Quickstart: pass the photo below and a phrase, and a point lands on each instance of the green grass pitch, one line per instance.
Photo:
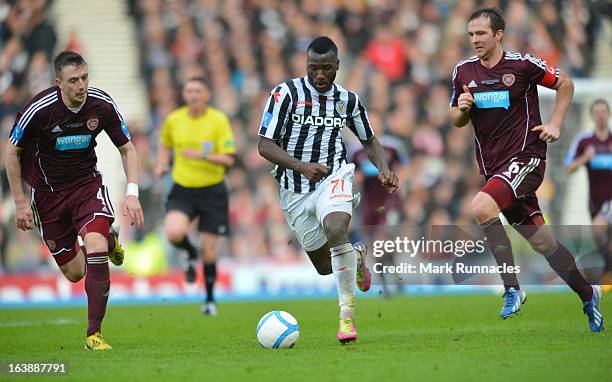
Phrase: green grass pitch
(413, 338)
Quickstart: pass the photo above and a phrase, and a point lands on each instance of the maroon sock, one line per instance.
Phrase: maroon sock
(564, 264)
(500, 247)
(97, 286)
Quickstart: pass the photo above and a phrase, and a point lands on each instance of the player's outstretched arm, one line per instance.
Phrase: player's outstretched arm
(272, 152)
(131, 205)
(23, 211)
(563, 98)
(376, 154)
(564, 88)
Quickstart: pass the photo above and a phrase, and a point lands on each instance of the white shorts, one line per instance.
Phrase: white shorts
(305, 212)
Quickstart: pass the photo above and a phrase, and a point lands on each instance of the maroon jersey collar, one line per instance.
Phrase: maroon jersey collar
(503, 58)
(65, 108)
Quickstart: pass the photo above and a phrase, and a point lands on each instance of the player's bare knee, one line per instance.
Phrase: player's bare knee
(543, 244)
(483, 209)
(175, 232)
(337, 232)
(208, 255)
(176, 226)
(175, 236)
(73, 272)
(74, 277)
(323, 267)
(95, 242)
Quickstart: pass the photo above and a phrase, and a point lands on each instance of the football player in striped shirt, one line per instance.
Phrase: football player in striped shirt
(300, 134)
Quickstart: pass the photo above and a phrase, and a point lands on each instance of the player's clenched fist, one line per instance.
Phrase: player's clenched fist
(548, 133)
(23, 216)
(465, 100)
(314, 171)
(389, 180)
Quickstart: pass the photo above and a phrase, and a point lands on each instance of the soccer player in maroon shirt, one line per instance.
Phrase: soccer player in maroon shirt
(52, 149)
(378, 207)
(594, 150)
(497, 91)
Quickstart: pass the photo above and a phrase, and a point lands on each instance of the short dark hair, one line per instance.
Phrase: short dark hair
(199, 79)
(494, 14)
(322, 45)
(600, 101)
(66, 58)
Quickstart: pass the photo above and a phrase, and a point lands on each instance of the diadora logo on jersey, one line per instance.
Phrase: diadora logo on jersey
(72, 142)
(318, 121)
(491, 100)
(56, 129)
(472, 84)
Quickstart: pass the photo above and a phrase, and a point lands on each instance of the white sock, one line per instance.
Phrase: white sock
(344, 266)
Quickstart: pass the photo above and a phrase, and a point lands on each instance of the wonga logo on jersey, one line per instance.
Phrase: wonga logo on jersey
(490, 100)
(72, 142)
(317, 121)
(601, 161)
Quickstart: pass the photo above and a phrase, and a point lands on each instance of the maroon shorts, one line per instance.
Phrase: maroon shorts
(513, 188)
(61, 215)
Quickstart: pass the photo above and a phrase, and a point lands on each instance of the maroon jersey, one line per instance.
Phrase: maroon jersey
(58, 144)
(506, 106)
(374, 194)
(599, 168)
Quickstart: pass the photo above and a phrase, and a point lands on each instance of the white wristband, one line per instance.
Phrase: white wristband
(132, 190)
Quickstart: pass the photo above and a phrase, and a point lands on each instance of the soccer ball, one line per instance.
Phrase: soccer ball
(278, 330)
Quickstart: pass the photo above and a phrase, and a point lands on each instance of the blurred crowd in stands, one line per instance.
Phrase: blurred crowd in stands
(397, 55)
(27, 43)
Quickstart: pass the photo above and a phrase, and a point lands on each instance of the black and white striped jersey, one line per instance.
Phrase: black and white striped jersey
(306, 124)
